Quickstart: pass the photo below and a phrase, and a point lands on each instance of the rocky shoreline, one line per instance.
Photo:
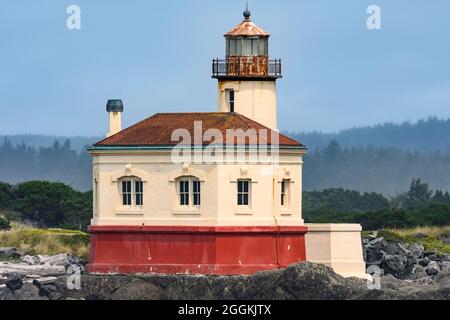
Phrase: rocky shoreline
(400, 270)
(403, 261)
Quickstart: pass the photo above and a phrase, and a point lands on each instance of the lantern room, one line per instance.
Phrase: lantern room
(247, 53)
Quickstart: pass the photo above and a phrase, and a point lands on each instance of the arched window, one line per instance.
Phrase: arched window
(132, 192)
(189, 191)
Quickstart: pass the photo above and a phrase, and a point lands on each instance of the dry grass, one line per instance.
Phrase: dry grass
(433, 232)
(432, 241)
(33, 241)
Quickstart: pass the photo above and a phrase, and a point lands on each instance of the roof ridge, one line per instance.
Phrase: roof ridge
(129, 128)
(157, 129)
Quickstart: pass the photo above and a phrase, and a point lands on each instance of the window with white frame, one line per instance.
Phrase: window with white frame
(285, 186)
(132, 191)
(231, 100)
(243, 192)
(189, 192)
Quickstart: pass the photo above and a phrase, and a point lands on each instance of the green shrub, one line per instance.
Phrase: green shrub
(53, 204)
(432, 244)
(4, 224)
(11, 215)
(434, 215)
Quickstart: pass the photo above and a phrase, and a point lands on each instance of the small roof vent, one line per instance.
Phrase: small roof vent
(114, 105)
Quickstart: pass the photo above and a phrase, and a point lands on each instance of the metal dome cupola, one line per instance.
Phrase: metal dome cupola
(247, 53)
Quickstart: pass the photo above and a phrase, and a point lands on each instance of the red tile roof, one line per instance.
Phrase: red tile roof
(157, 130)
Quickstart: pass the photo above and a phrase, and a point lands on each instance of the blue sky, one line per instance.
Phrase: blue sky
(156, 56)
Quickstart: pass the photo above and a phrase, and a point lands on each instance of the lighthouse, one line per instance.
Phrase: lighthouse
(247, 76)
(231, 216)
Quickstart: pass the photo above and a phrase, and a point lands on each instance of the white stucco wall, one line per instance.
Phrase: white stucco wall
(256, 100)
(218, 187)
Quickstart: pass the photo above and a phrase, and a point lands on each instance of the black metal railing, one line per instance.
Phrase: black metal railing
(246, 67)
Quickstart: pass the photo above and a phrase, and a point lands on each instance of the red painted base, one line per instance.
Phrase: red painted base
(194, 250)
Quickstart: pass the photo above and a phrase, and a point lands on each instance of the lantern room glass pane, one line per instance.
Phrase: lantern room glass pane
(255, 47)
(247, 47)
(238, 46)
(233, 47)
(263, 47)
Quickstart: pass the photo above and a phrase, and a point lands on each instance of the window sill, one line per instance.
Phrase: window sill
(187, 211)
(244, 211)
(134, 211)
(286, 212)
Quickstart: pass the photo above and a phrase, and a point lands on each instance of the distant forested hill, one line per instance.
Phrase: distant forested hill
(381, 159)
(58, 162)
(77, 143)
(374, 169)
(425, 135)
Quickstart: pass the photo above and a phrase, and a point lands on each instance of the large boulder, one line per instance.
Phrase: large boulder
(418, 272)
(445, 266)
(374, 251)
(433, 268)
(27, 292)
(14, 281)
(394, 264)
(417, 250)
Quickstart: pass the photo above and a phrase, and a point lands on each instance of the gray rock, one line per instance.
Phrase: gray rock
(404, 248)
(373, 251)
(9, 253)
(446, 240)
(393, 249)
(425, 281)
(49, 291)
(31, 260)
(300, 281)
(44, 281)
(421, 235)
(418, 272)
(56, 260)
(445, 266)
(378, 243)
(411, 263)
(14, 281)
(394, 264)
(437, 257)
(74, 260)
(424, 262)
(428, 253)
(371, 237)
(55, 296)
(27, 292)
(417, 249)
(375, 263)
(433, 268)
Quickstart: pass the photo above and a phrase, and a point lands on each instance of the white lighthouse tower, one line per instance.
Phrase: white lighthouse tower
(247, 77)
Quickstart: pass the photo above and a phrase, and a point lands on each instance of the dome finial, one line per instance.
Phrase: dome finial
(247, 12)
